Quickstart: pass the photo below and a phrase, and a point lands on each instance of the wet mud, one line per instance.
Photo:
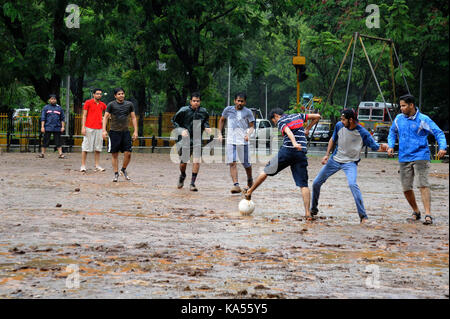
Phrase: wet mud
(145, 238)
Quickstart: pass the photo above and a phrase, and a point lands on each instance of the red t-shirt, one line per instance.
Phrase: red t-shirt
(94, 113)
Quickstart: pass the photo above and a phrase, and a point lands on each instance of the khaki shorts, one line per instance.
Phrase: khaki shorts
(410, 169)
(92, 141)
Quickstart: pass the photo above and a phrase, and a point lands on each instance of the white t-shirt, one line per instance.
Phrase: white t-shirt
(238, 122)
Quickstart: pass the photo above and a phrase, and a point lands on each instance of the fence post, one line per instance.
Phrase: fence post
(160, 118)
(153, 143)
(9, 130)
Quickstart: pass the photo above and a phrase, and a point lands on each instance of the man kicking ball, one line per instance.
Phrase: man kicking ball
(292, 153)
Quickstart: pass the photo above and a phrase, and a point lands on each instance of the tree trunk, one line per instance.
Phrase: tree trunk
(76, 87)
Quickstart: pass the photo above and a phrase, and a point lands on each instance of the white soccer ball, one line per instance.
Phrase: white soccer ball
(246, 207)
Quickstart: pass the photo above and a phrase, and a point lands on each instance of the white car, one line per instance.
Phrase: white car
(263, 130)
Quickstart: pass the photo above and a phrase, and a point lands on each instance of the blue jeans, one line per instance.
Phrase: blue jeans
(350, 170)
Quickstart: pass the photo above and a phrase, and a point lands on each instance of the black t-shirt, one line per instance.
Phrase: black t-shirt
(120, 115)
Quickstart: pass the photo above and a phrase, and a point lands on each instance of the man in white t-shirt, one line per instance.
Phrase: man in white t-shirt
(240, 125)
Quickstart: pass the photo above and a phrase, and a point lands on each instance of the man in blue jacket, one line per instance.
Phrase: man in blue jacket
(349, 137)
(412, 129)
(52, 122)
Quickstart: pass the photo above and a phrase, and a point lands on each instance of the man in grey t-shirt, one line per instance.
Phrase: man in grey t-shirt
(119, 135)
(240, 126)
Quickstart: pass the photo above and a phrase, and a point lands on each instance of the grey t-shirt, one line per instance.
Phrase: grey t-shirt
(238, 123)
(120, 115)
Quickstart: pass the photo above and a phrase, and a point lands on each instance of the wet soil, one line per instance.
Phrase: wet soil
(145, 238)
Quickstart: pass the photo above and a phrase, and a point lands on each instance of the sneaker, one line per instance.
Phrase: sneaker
(116, 177)
(83, 169)
(181, 181)
(99, 169)
(124, 173)
(314, 211)
(235, 189)
(193, 188)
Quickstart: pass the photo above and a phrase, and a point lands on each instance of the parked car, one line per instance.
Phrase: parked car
(263, 130)
(381, 134)
(322, 132)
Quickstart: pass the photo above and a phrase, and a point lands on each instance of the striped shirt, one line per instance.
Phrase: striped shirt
(295, 122)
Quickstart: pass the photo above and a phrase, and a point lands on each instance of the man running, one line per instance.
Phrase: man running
(240, 125)
(193, 120)
(349, 137)
(119, 135)
(292, 153)
(412, 128)
(91, 129)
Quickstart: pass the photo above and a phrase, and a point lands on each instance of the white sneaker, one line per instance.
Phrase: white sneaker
(99, 169)
(83, 169)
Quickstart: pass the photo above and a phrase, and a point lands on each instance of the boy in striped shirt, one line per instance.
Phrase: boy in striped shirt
(292, 153)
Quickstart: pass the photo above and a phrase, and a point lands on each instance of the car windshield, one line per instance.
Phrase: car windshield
(322, 127)
(264, 124)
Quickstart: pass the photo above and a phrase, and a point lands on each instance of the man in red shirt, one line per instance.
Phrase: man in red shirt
(91, 129)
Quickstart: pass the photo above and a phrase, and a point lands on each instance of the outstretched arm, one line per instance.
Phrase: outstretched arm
(313, 119)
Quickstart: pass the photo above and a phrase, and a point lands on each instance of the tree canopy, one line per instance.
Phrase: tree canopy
(161, 51)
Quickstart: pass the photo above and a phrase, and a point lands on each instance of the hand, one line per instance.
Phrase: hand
(83, 131)
(208, 130)
(104, 135)
(246, 138)
(42, 130)
(325, 159)
(185, 133)
(441, 154)
(220, 138)
(62, 129)
(135, 136)
(298, 146)
(307, 132)
(390, 151)
(383, 148)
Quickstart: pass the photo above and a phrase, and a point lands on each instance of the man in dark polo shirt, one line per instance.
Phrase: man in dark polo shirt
(120, 139)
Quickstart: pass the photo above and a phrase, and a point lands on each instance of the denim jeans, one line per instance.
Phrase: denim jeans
(350, 170)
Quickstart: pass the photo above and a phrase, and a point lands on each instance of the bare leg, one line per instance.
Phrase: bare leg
(234, 172)
(259, 180)
(97, 158)
(115, 162)
(60, 150)
(195, 168)
(43, 150)
(426, 199)
(83, 158)
(183, 167)
(126, 159)
(306, 200)
(248, 170)
(411, 200)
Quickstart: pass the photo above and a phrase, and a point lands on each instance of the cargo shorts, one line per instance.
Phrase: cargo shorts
(416, 168)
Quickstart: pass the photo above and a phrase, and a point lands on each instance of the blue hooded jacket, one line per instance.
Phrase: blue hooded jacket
(412, 133)
(52, 115)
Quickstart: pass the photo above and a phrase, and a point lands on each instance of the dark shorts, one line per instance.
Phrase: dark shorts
(186, 152)
(297, 160)
(56, 136)
(119, 141)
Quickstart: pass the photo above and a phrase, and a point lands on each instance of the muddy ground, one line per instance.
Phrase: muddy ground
(147, 239)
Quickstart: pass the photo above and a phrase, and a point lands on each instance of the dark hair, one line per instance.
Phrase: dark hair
(350, 114)
(196, 94)
(240, 94)
(95, 90)
(408, 98)
(277, 111)
(52, 95)
(117, 90)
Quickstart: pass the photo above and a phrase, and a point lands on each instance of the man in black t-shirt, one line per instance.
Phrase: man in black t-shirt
(120, 139)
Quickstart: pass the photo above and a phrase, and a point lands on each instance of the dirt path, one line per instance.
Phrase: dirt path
(147, 239)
